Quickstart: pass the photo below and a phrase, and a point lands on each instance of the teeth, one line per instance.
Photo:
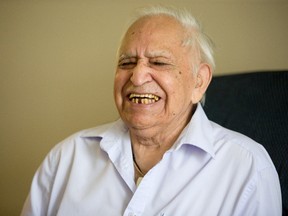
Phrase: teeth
(143, 98)
(151, 96)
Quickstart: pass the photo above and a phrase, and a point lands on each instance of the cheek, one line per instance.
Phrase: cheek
(174, 85)
(118, 86)
(184, 80)
(119, 81)
(185, 83)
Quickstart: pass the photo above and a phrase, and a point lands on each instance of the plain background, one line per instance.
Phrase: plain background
(57, 60)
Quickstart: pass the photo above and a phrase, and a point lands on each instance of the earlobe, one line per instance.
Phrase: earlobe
(203, 79)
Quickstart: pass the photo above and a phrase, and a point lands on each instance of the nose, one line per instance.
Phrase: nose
(141, 74)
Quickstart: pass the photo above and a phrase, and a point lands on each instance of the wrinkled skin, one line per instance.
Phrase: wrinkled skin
(155, 88)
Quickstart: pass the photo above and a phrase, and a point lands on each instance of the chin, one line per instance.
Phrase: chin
(139, 123)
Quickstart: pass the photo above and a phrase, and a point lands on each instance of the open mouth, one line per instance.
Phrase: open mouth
(143, 98)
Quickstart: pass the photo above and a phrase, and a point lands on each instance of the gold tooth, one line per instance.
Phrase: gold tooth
(143, 100)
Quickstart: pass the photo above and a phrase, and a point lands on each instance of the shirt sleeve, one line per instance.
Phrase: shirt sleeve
(262, 197)
(37, 202)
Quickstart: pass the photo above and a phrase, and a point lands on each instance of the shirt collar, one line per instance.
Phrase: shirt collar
(198, 133)
(110, 134)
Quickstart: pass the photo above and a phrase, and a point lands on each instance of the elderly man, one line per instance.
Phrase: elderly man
(163, 157)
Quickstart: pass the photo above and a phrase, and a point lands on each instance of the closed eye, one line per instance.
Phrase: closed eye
(126, 64)
(159, 63)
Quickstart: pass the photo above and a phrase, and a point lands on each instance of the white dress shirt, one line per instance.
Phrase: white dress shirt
(209, 171)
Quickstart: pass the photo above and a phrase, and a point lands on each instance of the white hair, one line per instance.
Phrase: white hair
(196, 36)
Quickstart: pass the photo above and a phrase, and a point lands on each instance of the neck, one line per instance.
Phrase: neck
(150, 144)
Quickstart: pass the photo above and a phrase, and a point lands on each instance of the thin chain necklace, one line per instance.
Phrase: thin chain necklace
(137, 167)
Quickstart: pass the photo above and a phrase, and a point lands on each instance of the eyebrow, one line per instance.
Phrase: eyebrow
(126, 56)
(160, 53)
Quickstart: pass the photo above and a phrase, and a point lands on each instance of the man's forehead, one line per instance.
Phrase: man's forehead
(148, 25)
(149, 37)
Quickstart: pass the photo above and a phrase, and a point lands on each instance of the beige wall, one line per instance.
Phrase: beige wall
(57, 63)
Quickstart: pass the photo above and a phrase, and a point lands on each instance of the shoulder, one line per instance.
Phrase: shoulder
(241, 147)
(80, 141)
(250, 162)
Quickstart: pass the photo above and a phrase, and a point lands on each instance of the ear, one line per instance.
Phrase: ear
(202, 80)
